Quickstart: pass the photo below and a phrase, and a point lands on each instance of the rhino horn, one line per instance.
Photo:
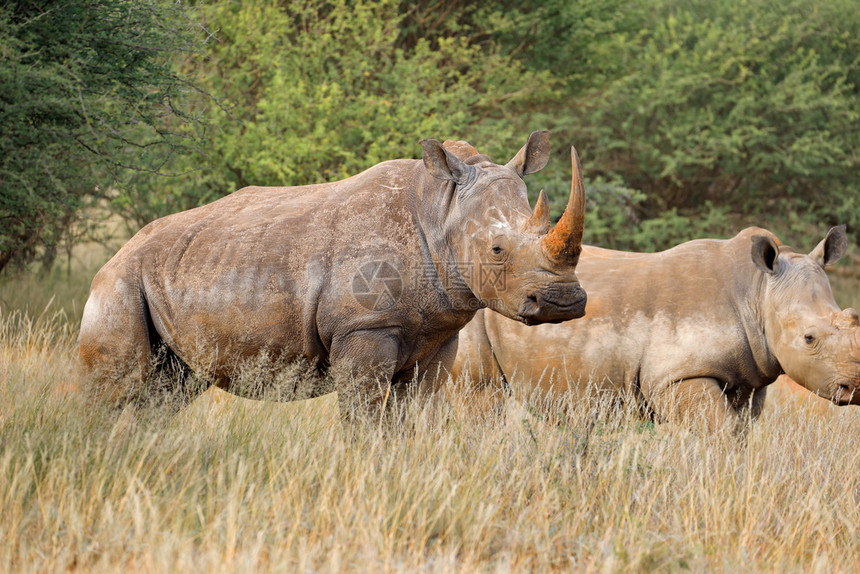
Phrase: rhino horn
(563, 243)
(847, 319)
(539, 222)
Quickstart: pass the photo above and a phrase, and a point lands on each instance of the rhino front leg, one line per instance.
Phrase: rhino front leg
(426, 380)
(749, 402)
(362, 369)
(434, 371)
(699, 401)
(478, 388)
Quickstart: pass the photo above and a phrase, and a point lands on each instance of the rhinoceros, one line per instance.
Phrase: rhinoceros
(374, 275)
(697, 331)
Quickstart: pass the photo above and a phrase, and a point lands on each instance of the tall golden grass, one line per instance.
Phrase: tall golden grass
(231, 485)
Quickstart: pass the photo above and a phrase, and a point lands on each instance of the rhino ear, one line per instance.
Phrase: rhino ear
(533, 156)
(832, 248)
(765, 254)
(442, 164)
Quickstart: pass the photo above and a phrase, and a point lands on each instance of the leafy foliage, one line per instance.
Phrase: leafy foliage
(722, 113)
(86, 86)
(736, 102)
(692, 117)
(315, 91)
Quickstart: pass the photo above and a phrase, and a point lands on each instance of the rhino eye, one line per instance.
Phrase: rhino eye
(497, 250)
(809, 339)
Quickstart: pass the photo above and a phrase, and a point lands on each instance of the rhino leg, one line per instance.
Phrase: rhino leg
(114, 343)
(122, 357)
(426, 380)
(433, 372)
(478, 387)
(369, 385)
(756, 403)
(362, 369)
(698, 401)
(748, 402)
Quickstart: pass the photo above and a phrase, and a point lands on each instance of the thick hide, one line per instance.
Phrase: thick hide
(372, 276)
(697, 331)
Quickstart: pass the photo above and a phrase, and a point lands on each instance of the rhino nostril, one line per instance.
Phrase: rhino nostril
(532, 298)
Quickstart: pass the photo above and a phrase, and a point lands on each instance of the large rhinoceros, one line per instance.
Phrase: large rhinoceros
(700, 329)
(375, 274)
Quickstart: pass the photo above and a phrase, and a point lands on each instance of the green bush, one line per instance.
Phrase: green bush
(692, 117)
(316, 91)
(86, 86)
(705, 116)
(750, 105)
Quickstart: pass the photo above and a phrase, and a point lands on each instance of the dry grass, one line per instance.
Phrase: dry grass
(235, 485)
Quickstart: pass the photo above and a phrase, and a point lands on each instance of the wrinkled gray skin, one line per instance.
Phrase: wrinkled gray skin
(272, 272)
(695, 332)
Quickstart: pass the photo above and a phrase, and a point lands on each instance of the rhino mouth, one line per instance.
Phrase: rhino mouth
(847, 395)
(543, 309)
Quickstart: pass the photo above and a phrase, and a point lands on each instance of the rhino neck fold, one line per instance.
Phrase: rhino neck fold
(436, 202)
(752, 294)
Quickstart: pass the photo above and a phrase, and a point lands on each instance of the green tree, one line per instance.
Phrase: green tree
(750, 105)
(718, 112)
(318, 90)
(691, 116)
(87, 85)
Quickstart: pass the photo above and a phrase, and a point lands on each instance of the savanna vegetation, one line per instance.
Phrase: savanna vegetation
(693, 118)
(242, 486)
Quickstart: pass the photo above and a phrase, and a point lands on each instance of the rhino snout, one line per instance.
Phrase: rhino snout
(554, 305)
(848, 393)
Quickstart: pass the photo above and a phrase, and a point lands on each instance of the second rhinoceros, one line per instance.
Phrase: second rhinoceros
(375, 274)
(698, 331)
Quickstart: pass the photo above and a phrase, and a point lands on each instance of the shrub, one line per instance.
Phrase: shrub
(86, 85)
(736, 102)
(316, 91)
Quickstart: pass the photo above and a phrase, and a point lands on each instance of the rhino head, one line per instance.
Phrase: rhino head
(816, 343)
(511, 258)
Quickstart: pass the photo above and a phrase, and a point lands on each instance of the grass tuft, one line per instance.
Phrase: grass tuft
(244, 486)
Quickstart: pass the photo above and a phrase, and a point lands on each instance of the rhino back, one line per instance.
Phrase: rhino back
(650, 317)
(252, 270)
